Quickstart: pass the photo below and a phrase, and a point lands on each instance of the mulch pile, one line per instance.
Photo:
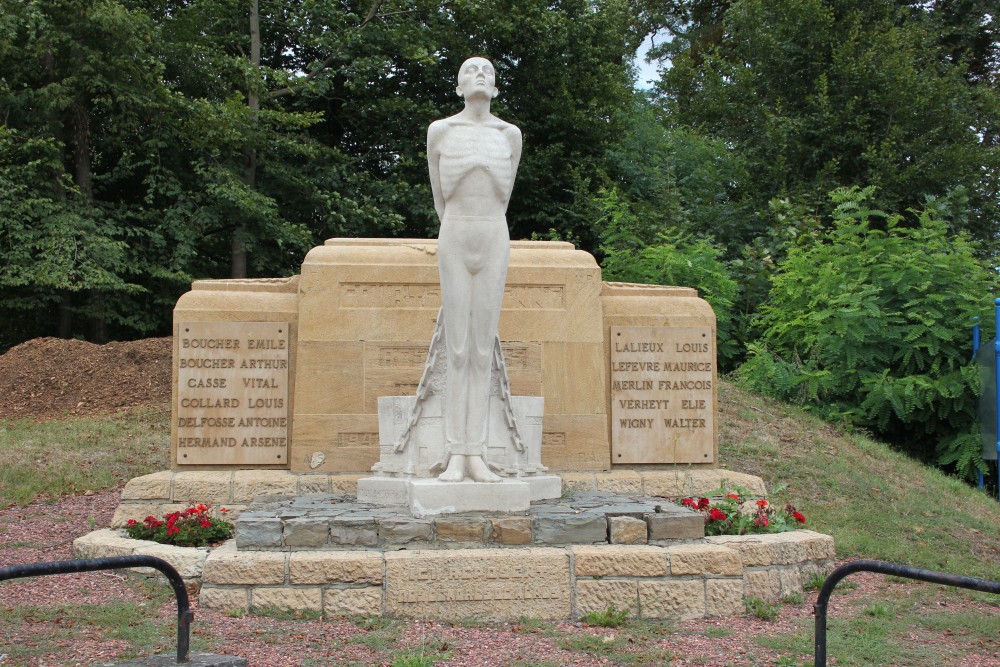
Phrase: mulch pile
(50, 377)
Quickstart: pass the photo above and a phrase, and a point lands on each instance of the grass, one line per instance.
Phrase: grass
(608, 618)
(47, 460)
(762, 609)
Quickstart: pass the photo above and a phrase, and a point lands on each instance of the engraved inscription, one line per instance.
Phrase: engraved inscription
(357, 440)
(662, 394)
(232, 393)
(428, 295)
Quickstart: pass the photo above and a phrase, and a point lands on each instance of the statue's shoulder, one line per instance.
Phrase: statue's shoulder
(439, 127)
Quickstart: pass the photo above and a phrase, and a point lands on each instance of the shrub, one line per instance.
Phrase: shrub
(870, 323)
(193, 527)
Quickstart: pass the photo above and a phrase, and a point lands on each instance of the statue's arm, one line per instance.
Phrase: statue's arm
(513, 134)
(434, 135)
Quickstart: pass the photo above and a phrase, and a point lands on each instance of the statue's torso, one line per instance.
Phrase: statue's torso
(475, 169)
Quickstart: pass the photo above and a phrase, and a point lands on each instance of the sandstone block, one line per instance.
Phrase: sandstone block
(626, 530)
(818, 546)
(767, 549)
(344, 483)
(308, 484)
(287, 599)
(402, 530)
(478, 583)
(249, 485)
(619, 561)
(155, 486)
(212, 597)
(140, 510)
(619, 481)
(674, 526)
(723, 597)
(306, 531)
(595, 595)
(354, 531)
(202, 487)
(226, 565)
(188, 561)
(570, 529)
(578, 481)
(763, 584)
(324, 567)
(461, 529)
(674, 600)
(353, 601)
(704, 559)
(259, 532)
(511, 530)
(105, 543)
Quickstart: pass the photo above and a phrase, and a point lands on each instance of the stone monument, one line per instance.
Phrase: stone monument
(463, 424)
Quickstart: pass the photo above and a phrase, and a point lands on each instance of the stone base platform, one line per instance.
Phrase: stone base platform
(429, 497)
(172, 490)
(709, 577)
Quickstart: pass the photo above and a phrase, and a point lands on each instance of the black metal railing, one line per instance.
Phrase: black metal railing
(822, 601)
(184, 613)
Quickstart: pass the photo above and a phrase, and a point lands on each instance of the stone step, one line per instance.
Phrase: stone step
(340, 522)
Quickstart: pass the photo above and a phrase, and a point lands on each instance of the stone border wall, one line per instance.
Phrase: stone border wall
(684, 581)
(170, 491)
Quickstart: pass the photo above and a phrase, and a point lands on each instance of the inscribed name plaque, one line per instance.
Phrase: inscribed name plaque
(232, 393)
(662, 394)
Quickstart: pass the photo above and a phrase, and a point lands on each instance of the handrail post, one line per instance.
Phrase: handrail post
(184, 613)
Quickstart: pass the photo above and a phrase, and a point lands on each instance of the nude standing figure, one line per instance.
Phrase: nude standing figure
(472, 158)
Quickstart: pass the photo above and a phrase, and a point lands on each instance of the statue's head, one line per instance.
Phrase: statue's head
(476, 76)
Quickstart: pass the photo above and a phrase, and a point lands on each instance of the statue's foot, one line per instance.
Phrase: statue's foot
(455, 471)
(479, 471)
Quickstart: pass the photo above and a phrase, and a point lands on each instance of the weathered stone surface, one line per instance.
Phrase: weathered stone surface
(287, 599)
(403, 530)
(324, 567)
(155, 486)
(226, 565)
(511, 529)
(767, 549)
(213, 597)
(552, 528)
(763, 584)
(575, 482)
(105, 543)
(619, 561)
(140, 510)
(461, 529)
(704, 559)
(478, 583)
(192, 486)
(673, 526)
(599, 595)
(619, 481)
(626, 530)
(697, 482)
(818, 546)
(249, 485)
(259, 532)
(674, 600)
(313, 484)
(188, 561)
(723, 597)
(306, 531)
(344, 483)
(354, 531)
(353, 601)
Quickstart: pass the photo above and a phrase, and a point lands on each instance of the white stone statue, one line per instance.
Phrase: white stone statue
(472, 158)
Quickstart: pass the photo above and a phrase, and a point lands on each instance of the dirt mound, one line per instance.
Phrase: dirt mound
(50, 377)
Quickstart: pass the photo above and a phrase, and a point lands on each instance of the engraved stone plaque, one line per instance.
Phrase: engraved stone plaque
(232, 393)
(662, 394)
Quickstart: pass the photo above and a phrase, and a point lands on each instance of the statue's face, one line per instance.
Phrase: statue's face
(476, 76)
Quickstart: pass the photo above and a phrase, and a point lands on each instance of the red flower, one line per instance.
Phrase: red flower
(687, 502)
(733, 496)
(717, 515)
(761, 503)
(205, 523)
(132, 522)
(223, 509)
(172, 529)
(799, 517)
(703, 503)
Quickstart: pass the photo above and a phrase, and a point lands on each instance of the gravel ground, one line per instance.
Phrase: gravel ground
(44, 531)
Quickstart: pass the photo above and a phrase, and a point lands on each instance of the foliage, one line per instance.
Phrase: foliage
(731, 513)
(759, 608)
(894, 94)
(192, 527)
(869, 323)
(635, 252)
(608, 618)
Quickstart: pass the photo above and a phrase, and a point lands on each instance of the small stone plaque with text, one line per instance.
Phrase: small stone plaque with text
(662, 395)
(232, 393)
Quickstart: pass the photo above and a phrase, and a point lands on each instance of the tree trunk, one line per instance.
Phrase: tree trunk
(239, 252)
